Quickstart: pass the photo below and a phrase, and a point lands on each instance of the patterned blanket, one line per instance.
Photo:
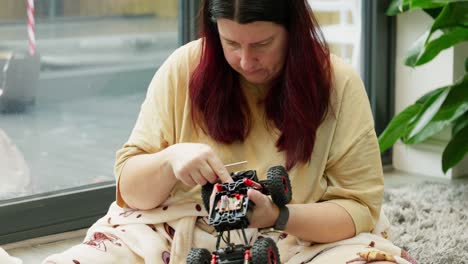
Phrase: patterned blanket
(166, 234)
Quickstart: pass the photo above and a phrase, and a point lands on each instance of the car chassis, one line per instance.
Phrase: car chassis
(230, 211)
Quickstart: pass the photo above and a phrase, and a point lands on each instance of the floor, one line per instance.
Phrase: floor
(31, 251)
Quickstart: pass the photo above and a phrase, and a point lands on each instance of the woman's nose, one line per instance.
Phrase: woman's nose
(247, 60)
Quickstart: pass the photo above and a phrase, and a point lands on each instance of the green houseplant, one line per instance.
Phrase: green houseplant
(442, 107)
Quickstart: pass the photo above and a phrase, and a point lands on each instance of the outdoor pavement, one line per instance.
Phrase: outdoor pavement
(93, 77)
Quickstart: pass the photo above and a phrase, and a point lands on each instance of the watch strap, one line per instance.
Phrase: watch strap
(282, 219)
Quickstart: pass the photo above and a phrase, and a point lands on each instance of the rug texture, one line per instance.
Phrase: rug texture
(430, 221)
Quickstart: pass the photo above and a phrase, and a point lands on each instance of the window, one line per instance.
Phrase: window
(378, 62)
(361, 33)
(340, 21)
(70, 91)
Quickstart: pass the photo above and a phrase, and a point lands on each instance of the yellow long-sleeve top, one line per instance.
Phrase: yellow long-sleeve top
(345, 167)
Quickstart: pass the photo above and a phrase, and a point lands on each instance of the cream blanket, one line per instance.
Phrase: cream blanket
(7, 259)
(167, 234)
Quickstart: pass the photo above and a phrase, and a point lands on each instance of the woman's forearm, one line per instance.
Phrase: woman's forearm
(147, 180)
(320, 222)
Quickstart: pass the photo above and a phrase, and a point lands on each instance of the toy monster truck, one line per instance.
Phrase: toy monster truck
(231, 208)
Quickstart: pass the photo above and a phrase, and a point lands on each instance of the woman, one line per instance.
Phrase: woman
(261, 86)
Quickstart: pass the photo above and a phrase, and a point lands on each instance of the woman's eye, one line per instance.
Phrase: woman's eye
(262, 45)
(233, 45)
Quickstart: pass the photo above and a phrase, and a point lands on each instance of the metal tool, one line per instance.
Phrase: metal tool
(235, 163)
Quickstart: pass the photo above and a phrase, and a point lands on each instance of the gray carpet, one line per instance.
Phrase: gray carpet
(430, 221)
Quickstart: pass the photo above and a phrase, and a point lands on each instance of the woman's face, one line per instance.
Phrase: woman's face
(256, 50)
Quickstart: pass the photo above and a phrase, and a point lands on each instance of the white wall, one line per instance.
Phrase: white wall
(411, 83)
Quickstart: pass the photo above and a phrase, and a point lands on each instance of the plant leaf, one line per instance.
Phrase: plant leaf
(427, 112)
(423, 52)
(466, 64)
(454, 106)
(452, 15)
(400, 6)
(456, 149)
(415, 4)
(418, 47)
(423, 99)
(433, 12)
(402, 124)
(397, 6)
(461, 122)
(397, 127)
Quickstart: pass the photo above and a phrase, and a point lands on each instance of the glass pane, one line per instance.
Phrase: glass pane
(71, 89)
(341, 25)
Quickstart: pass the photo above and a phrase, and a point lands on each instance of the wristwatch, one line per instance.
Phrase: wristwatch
(282, 219)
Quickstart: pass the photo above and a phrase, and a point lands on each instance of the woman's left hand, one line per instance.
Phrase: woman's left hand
(265, 212)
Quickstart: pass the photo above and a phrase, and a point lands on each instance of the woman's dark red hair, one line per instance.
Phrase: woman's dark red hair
(298, 100)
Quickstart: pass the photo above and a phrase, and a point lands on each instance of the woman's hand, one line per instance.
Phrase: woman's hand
(265, 212)
(196, 164)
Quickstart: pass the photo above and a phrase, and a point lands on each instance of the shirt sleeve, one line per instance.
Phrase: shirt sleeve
(154, 128)
(356, 183)
(354, 170)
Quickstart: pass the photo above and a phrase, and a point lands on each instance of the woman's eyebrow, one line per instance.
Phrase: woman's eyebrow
(263, 41)
(255, 43)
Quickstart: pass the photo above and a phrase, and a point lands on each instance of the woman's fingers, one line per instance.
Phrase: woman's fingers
(265, 212)
(187, 180)
(194, 163)
(218, 167)
(255, 196)
(198, 177)
(208, 173)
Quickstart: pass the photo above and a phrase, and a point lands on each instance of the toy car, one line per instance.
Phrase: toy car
(231, 210)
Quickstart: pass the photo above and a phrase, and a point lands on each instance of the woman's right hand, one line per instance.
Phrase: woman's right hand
(196, 164)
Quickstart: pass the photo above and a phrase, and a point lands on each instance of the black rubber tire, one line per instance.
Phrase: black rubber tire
(265, 251)
(245, 174)
(199, 256)
(279, 185)
(206, 191)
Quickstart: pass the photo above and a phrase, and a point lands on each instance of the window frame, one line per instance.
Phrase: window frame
(188, 28)
(379, 34)
(54, 212)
